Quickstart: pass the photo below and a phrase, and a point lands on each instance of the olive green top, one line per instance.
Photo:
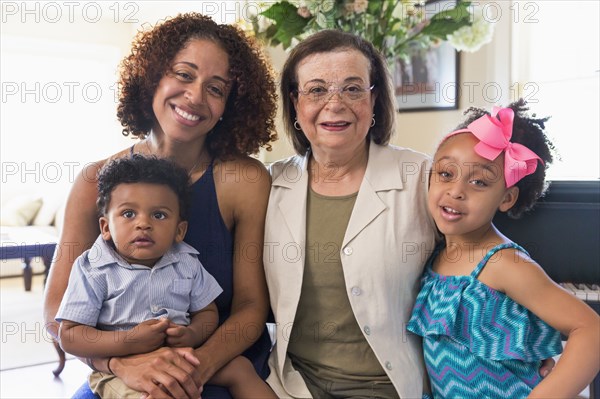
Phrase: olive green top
(325, 337)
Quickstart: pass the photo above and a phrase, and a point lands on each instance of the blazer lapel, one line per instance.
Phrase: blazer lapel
(293, 204)
(383, 173)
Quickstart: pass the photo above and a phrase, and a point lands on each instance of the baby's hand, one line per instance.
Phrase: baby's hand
(147, 336)
(180, 336)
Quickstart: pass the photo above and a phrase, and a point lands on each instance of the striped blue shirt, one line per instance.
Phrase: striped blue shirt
(108, 293)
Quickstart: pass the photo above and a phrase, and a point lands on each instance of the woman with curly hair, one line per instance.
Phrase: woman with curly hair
(203, 95)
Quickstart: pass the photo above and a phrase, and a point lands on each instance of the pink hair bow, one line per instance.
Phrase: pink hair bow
(494, 133)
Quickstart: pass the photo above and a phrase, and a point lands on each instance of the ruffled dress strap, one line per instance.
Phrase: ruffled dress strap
(487, 322)
(475, 273)
(477, 341)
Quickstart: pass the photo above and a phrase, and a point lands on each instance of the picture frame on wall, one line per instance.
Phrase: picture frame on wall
(429, 79)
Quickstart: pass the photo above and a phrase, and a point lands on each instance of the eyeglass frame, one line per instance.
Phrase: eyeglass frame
(338, 90)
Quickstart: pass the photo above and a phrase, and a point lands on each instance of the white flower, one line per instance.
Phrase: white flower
(472, 38)
(400, 27)
(360, 6)
(348, 10)
(405, 8)
(304, 12)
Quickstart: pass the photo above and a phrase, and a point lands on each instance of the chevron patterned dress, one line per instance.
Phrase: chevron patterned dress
(477, 342)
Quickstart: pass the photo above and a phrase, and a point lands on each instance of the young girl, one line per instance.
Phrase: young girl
(487, 312)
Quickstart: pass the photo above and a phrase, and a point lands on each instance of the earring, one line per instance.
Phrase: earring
(297, 125)
(373, 121)
(220, 119)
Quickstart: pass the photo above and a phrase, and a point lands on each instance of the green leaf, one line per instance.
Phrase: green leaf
(448, 21)
(279, 12)
(288, 23)
(321, 20)
(327, 5)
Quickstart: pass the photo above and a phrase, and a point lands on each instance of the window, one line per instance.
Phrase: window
(57, 98)
(556, 65)
(59, 68)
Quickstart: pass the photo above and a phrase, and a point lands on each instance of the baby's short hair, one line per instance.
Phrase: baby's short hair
(139, 168)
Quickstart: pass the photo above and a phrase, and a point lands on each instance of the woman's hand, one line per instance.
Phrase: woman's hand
(547, 366)
(164, 373)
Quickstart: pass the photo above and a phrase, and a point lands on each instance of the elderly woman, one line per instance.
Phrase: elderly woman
(347, 230)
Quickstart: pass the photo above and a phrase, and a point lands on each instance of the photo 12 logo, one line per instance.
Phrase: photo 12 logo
(56, 92)
(69, 11)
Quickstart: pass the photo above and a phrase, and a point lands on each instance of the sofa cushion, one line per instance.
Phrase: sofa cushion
(47, 213)
(20, 210)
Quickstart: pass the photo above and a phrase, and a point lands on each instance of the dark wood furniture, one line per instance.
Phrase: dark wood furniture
(26, 243)
(562, 234)
(26, 251)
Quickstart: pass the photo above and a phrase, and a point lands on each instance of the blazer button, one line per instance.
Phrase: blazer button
(367, 330)
(348, 251)
(388, 365)
(356, 291)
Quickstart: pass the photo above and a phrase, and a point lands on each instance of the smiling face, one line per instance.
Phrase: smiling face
(142, 220)
(334, 123)
(465, 189)
(191, 96)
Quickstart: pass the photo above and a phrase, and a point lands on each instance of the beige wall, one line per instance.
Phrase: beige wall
(421, 130)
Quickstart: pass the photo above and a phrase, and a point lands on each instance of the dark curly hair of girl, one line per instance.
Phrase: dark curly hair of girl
(248, 120)
(528, 130)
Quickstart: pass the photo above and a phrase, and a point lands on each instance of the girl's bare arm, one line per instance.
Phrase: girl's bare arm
(525, 282)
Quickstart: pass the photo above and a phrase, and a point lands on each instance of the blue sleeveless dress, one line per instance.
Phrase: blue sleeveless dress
(208, 233)
(477, 342)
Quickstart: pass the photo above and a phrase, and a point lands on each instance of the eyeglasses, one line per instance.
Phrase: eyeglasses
(351, 92)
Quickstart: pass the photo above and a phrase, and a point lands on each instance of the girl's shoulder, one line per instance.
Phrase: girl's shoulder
(508, 265)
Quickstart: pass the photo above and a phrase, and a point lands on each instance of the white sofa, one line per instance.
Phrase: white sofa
(28, 218)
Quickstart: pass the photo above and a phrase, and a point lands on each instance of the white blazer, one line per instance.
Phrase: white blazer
(389, 237)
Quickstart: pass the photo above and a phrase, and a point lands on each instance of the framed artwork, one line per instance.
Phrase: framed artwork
(429, 80)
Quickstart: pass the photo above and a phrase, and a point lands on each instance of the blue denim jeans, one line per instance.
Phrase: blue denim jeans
(209, 392)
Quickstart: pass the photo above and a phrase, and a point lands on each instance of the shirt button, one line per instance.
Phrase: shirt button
(348, 251)
(356, 291)
(367, 330)
(155, 308)
(388, 365)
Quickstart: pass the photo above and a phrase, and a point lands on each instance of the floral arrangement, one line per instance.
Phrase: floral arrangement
(396, 27)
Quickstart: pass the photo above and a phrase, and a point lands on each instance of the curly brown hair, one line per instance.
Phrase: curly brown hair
(248, 120)
(528, 130)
